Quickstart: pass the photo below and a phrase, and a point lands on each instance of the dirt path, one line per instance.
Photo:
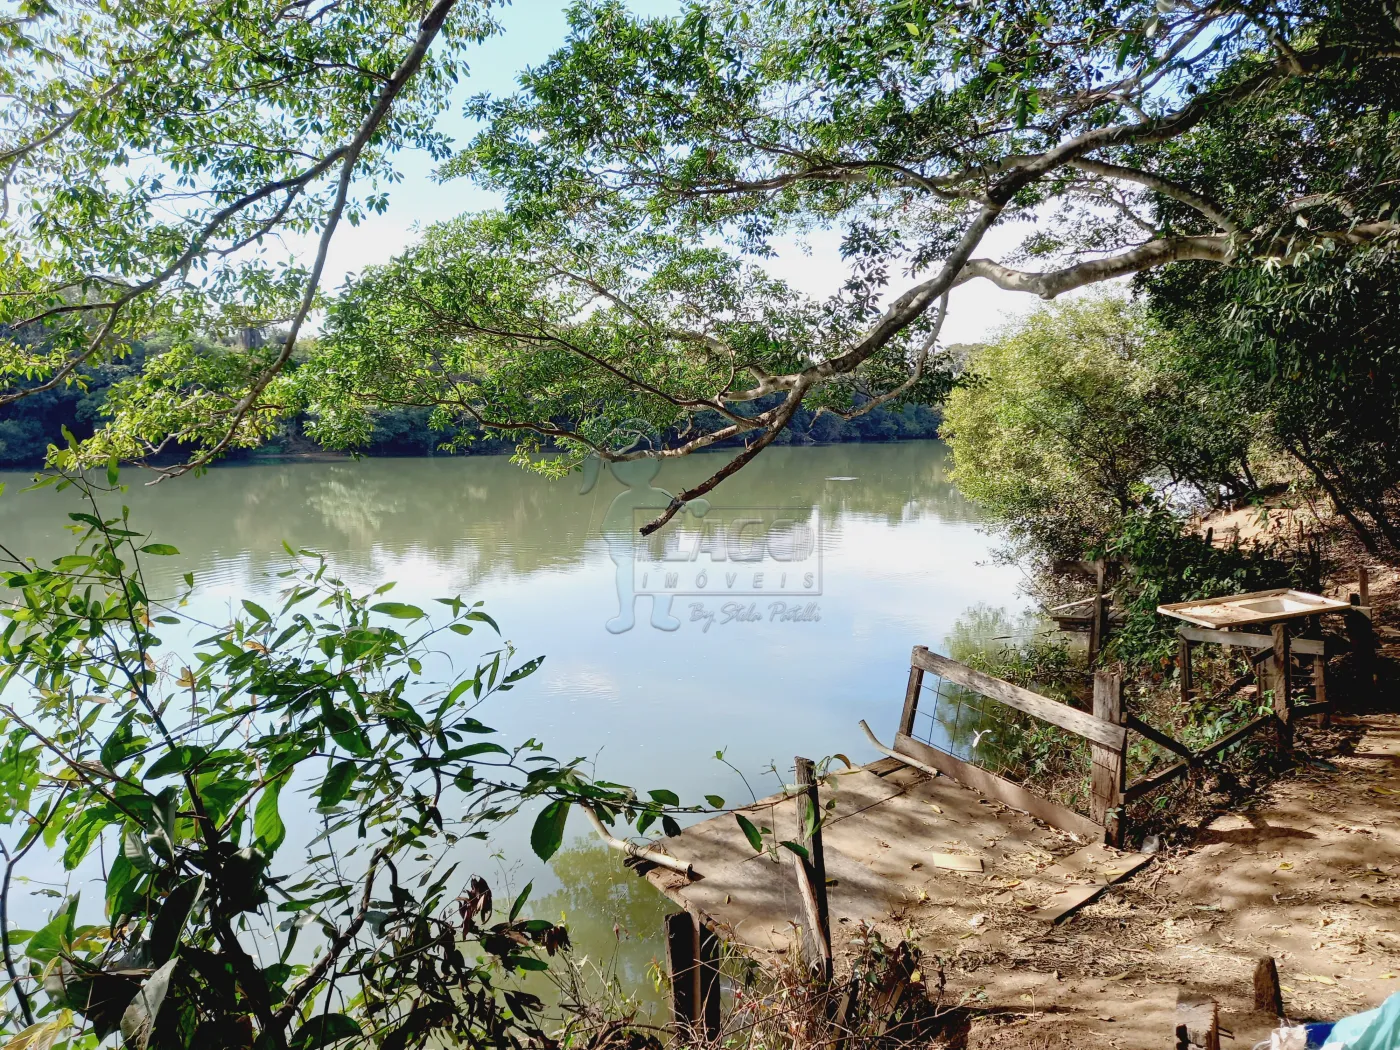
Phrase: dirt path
(1309, 875)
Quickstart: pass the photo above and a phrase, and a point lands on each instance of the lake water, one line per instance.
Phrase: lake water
(862, 552)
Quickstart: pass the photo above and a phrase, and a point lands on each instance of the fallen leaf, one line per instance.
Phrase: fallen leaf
(1285, 866)
(1105, 1017)
(1118, 976)
(1386, 977)
(977, 920)
(1315, 978)
(936, 808)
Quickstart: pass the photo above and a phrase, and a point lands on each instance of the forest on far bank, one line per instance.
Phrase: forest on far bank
(29, 427)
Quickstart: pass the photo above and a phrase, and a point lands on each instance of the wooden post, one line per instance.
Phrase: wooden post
(1197, 1023)
(811, 873)
(1268, 996)
(709, 989)
(911, 696)
(682, 962)
(1364, 585)
(1098, 623)
(1183, 663)
(1363, 640)
(1281, 680)
(1109, 763)
(692, 959)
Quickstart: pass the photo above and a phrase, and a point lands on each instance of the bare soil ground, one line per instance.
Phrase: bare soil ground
(1310, 874)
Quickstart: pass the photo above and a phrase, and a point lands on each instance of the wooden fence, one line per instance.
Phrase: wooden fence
(1108, 727)
(1103, 729)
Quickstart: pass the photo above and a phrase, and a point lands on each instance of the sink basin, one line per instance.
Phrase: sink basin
(1272, 606)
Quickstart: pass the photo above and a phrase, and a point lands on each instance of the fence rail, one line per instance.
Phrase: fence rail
(1107, 738)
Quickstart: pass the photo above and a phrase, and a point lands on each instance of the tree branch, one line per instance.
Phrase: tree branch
(782, 415)
(428, 30)
(1165, 187)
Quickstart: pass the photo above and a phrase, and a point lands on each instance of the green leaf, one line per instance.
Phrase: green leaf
(182, 759)
(256, 611)
(338, 782)
(796, 847)
(139, 1020)
(665, 797)
(750, 832)
(715, 801)
(520, 901)
(398, 610)
(136, 853)
(113, 471)
(548, 832)
(163, 550)
(323, 1029)
(174, 912)
(55, 935)
(267, 821)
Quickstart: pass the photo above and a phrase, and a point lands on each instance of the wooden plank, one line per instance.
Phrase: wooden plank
(1183, 666)
(911, 696)
(816, 947)
(1145, 785)
(1081, 877)
(993, 786)
(1098, 626)
(956, 862)
(1159, 738)
(1231, 739)
(1107, 764)
(1251, 640)
(1078, 722)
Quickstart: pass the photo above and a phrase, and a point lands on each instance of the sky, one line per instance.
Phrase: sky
(533, 29)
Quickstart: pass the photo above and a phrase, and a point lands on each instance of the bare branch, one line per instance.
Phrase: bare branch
(780, 419)
(1203, 204)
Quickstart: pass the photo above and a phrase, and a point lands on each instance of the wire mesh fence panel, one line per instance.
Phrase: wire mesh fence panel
(1052, 762)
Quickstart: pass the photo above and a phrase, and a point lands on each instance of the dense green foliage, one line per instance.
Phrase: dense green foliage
(618, 302)
(1081, 415)
(1163, 563)
(170, 773)
(150, 150)
(1313, 350)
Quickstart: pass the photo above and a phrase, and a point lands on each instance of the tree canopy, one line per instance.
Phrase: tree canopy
(1082, 415)
(152, 152)
(617, 305)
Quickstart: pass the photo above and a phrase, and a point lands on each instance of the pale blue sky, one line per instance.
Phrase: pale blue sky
(533, 29)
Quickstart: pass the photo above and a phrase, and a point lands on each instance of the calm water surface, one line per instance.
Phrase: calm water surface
(902, 562)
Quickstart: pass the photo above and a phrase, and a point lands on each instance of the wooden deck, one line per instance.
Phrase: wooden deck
(900, 848)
